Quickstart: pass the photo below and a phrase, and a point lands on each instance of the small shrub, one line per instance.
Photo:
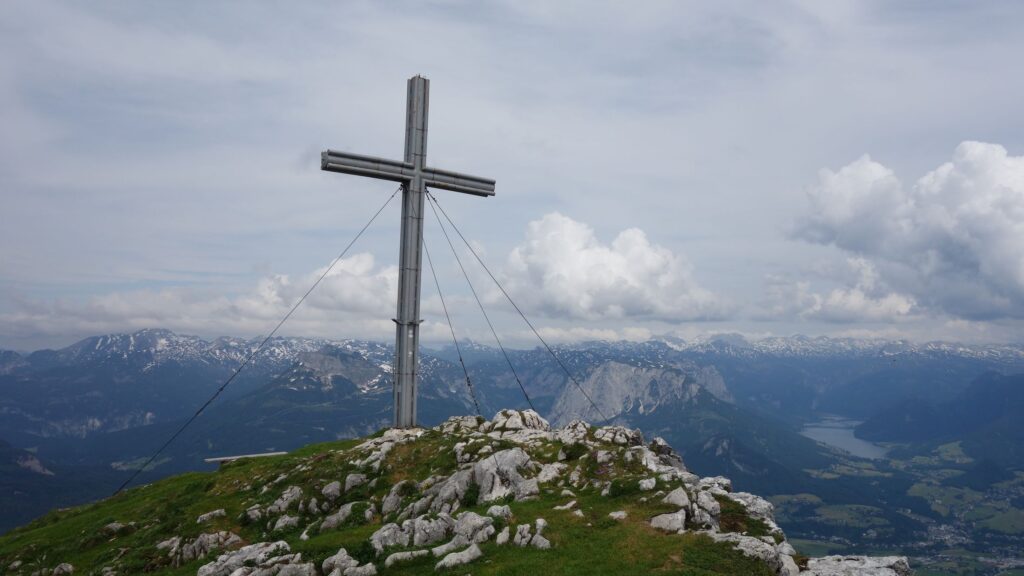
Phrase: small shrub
(472, 495)
(574, 451)
(358, 515)
(407, 489)
(621, 487)
(363, 552)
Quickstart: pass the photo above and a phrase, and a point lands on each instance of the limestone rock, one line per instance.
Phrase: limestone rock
(716, 484)
(252, 514)
(452, 545)
(786, 548)
(254, 558)
(753, 547)
(461, 455)
(617, 515)
(789, 567)
(387, 536)
(115, 528)
(647, 484)
(181, 551)
(573, 433)
(459, 558)
(497, 511)
(364, 570)
(519, 420)
(289, 497)
(619, 435)
(756, 507)
(459, 423)
(660, 446)
(503, 537)
(341, 564)
(354, 481)
(332, 491)
(708, 503)
(459, 541)
(666, 454)
(393, 500)
(63, 569)
(674, 522)
(404, 556)
(522, 537)
(550, 472)
(338, 518)
(678, 498)
(474, 527)
(339, 561)
(497, 476)
(567, 506)
(285, 522)
(426, 531)
(858, 566)
(213, 514)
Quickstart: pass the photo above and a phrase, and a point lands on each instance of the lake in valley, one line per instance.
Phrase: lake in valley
(837, 432)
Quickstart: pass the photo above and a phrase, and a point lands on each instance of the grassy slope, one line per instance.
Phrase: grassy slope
(593, 544)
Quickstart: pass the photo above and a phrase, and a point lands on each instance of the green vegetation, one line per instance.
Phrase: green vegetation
(1009, 521)
(734, 518)
(851, 515)
(586, 543)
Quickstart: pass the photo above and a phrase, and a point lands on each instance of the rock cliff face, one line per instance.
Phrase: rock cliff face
(618, 388)
(492, 496)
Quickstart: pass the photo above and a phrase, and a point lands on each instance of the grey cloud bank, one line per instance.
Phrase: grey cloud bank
(694, 166)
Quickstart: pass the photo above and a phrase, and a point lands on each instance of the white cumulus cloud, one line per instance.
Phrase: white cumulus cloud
(564, 270)
(355, 299)
(864, 298)
(952, 242)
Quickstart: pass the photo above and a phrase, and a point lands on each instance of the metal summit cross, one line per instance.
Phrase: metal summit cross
(414, 176)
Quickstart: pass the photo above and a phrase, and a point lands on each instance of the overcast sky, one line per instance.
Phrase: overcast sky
(837, 168)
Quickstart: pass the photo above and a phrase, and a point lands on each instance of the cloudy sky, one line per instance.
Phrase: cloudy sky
(838, 168)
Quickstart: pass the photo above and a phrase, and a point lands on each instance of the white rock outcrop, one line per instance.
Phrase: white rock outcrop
(212, 515)
(673, 523)
(182, 551)
(858, 566)
(459, 558)
(259, 558)
(406, 556)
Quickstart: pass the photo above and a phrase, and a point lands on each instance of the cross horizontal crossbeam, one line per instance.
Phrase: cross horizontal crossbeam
(404, 172)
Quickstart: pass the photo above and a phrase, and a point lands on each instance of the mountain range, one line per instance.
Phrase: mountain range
(94, 411)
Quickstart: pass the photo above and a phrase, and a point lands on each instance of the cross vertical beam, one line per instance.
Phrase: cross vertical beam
(409, 256)
(415, 177)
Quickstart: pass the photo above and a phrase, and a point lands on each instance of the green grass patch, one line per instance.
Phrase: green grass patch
(734, 518)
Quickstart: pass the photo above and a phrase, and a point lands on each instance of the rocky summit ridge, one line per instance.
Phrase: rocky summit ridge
(511, 495)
